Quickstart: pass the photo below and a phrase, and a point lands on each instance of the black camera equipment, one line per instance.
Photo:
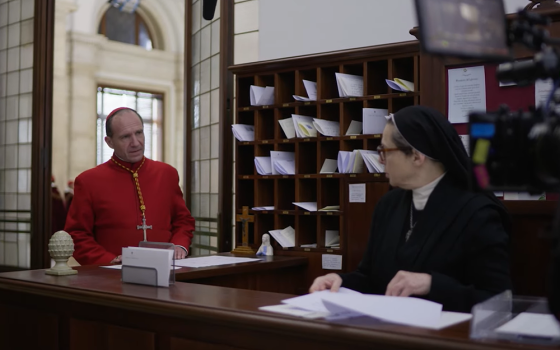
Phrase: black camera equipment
(510, 150)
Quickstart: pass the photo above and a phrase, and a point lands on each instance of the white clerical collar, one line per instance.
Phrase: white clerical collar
(420, 195)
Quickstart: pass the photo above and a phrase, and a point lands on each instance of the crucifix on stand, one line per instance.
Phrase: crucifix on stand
(244, 218)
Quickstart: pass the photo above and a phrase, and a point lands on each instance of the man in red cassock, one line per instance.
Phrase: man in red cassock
(127, 199)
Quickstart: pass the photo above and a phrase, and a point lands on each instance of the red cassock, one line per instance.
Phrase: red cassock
(105, 210)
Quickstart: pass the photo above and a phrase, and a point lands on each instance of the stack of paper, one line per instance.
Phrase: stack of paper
(309, 206)
(355, 128)
(374, 120)
(283, 163)
(400, 85)
(373, 164)
(327, 127)
(286, 237)
(303, 126)
(349, 85)
(261, 96)
(288, 127)
(350, 162)
(243, 132)
(329, 166)
(311, 89)
(263, 165)
(332, 238)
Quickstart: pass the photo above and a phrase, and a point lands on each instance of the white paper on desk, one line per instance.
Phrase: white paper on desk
(329, 166)
(349, 85)
(314, 301)
(243, 132)
(408, 311)
(279, 155)
(531, 324)
(261, 96)
(159, 259)
(542, 91)
(285, 167)
(449, 318)
(213, 260)
(309, 206)
(293, 311)
(263, 165)
(357, 193)
(119, 267)
(374, 120)
(467, 92)
(288, 127)
(327, 127)
(355, 128)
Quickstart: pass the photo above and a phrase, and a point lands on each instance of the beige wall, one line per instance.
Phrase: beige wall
(85, 59)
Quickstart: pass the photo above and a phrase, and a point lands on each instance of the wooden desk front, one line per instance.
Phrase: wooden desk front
(94, 310)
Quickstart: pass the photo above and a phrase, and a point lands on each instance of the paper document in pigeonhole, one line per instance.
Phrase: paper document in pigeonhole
(329, 166)
(309, 206)
(350, 85)
(279, 155)
(311, 89)
(288, 127)
(327, 127)
(374, 120)
(355, 128)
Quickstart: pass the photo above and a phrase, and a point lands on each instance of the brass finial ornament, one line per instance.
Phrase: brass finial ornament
(61, 247)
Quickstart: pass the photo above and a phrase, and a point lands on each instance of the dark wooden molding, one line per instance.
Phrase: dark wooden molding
(225, 200)
(187, 95)
(380, 52)
(43, 49)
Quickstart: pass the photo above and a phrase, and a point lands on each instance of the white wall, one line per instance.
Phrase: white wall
(298, 27)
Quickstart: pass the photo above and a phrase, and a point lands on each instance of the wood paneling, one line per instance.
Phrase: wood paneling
(34, 328)
(88, 335)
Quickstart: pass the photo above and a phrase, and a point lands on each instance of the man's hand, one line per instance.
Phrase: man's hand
(117, 260)
(406, 283)
(331, 281)
(180, 253)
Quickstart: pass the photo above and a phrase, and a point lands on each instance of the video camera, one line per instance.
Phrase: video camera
(510, 150)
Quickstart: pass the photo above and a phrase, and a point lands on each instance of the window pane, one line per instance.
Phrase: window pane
(120, 26)
(144, 39)
(145, 108)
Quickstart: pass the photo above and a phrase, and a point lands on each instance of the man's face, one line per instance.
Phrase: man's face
(128, 137)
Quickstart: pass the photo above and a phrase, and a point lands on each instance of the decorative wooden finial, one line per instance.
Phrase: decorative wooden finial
(542, 4)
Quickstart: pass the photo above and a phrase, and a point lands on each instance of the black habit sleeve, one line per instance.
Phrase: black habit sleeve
(486, 268)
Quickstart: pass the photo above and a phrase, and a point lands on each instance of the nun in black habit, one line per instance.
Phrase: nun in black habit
(436, 235)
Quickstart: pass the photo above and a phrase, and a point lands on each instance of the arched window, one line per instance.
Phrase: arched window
(129, 28)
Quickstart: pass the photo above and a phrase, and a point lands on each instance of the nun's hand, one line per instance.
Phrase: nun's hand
(331, 281)
(406, 283)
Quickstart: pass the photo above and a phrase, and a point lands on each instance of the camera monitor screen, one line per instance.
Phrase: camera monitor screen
(463, 28)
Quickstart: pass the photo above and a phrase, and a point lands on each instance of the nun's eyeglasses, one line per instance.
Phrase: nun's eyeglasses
(382, 150)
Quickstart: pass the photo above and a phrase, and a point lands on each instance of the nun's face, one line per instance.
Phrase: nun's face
(399, 167)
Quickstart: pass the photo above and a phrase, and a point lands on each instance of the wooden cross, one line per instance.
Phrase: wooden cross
(244, 218)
